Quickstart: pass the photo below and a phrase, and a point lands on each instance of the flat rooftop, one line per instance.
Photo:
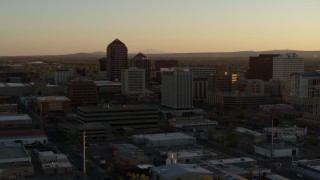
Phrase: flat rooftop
(190, 153)
(52, 98)
(46, 153)
(195, 122)
(93, 109)
(164, 136)
(277, 146)
(14, 117)
(12, 151)
(245, 130)
(314, 163)
(232, 161)
(126, 147)
(14, 85)
(170, 170)
(107, 83)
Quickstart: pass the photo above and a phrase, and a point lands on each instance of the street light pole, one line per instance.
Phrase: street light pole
(84, 152)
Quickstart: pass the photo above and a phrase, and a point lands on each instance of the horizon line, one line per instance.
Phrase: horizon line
(135, 52)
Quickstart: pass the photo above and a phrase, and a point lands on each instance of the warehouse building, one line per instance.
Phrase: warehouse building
(164, 139)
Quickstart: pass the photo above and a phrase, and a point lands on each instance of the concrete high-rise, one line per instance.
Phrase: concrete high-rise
(117, 59)
(142, 62)
(177, 90)
(133, 81)
(284, 66)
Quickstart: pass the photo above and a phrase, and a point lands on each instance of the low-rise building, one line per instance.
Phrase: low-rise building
(286, 130)
(276, 150)
(49, 156)
(9, 108)
(184, 156)
(309, 168)
(57, 168)
(245, 167)
(26, 137)
(129, 155)
(164, 139)
(15, 121)
(15, 89)
(256, 137)
(185, 118)
(180, 171)
(14, 161)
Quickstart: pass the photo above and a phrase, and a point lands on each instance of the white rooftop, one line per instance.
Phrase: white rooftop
(232, 161)
(15, 117)
(14, 84)
(145, 166)
(243, 130)
(46, 153)
(194, 168)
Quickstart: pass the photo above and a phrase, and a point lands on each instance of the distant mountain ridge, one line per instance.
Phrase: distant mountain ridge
(152, 52)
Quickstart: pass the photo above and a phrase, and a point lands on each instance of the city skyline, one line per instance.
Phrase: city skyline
(58, 27)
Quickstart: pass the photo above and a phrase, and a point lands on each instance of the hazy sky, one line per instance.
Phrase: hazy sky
(34, 27)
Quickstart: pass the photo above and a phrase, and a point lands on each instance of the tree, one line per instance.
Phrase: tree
(313, 140)
(206, 177)
(211, 132)
(231, 139)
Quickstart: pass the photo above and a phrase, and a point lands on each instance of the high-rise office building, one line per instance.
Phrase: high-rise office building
(261, 67)
(274, 66)
(284, 66)
(117, 59)
(82, 92)
(222, 82)
(62, 77)
(133, 81)
(201, 71)
(142, 62)
(177, 90)
(159, 65)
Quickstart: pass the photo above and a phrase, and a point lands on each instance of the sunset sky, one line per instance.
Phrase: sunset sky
(39, 27)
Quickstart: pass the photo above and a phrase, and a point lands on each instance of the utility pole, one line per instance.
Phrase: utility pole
(84, 152)
(272, 139)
